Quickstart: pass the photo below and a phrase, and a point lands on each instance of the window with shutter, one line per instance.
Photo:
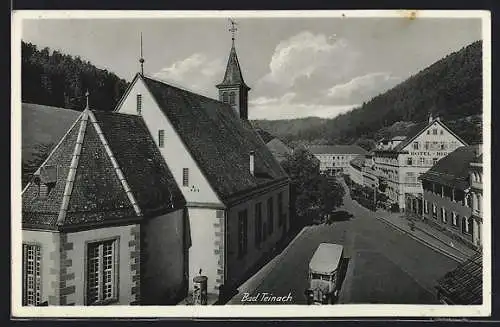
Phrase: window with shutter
(270, 215)
(161, 138)
(31, 274)
(185, 176)
(139, 103)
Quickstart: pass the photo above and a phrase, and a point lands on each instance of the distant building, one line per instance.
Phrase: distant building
(400, 160)
(447, 195)
(476, 192)
(103, 220)
(370, 178)
(237, 193)
(277, 147)
(355, 170)
(334, 159)
(464, 284)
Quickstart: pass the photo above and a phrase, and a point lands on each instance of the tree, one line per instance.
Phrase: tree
(313, 196)
(332, 194)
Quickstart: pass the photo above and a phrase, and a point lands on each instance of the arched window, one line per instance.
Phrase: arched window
(224, 97)
(479, 199)
(232, 98)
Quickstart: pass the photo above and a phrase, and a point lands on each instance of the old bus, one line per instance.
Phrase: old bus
(324, 274)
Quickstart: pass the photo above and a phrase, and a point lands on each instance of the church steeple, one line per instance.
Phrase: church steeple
(233, 89)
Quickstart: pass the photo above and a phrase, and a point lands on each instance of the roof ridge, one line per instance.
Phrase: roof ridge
(68, 189)
(116, 167)
(183, 89)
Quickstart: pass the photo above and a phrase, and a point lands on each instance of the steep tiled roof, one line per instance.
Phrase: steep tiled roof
(233, 74)
(265, 136)
(452, 170)
(337, 149)
(464, 285)
(279, 149)
(109, 171)
(219, 141)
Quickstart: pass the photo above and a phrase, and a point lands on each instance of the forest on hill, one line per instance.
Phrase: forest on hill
(61, 80)
(451, 88)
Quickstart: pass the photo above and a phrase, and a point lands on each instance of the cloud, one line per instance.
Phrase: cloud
(362, 88)
(306, 55)
(284, 107)
(197, 71)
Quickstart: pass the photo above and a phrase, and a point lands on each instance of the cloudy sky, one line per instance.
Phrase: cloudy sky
(296, 67)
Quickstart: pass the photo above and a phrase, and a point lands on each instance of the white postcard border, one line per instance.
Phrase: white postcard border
(241, 311)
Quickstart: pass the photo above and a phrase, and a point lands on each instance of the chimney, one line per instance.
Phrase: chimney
(430, 118)
(252, 162)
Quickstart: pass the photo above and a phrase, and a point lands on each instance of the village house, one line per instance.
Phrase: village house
(448, 202)
(355, 170)
(237, 194)
(103, 219)
(400, 160)
(277, 147)
(334, 159)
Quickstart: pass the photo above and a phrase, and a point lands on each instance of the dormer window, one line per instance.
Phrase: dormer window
(46, 180)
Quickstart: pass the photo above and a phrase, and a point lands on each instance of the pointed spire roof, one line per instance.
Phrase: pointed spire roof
(233, 76)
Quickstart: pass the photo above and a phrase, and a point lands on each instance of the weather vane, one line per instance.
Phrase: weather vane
(233, 28)
(87, 98)
(141, 60)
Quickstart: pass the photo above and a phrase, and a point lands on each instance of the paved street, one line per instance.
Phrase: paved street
(385, 265)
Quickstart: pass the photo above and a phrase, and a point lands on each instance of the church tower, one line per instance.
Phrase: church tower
(233, 89)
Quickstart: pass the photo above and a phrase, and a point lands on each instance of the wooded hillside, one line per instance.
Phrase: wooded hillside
(60, 80)
(450, 88)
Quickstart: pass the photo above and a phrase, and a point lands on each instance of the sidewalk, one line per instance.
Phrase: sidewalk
(251, 284)
(423, 233)
(427, 235)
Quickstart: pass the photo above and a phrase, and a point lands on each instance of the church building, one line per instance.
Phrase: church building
(133, 204)
(237, 194)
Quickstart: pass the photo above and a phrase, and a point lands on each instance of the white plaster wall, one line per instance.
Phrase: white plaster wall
(174, 152)
(162, 269)
(201, 252)
(49, 242)
(79, 259)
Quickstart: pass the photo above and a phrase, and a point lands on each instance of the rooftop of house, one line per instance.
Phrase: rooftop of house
(411, 133)
(264, 135)
(453, 170)
(337, 149)
(105, 170)
(464, 284)
(358, 162)
(218, 140)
